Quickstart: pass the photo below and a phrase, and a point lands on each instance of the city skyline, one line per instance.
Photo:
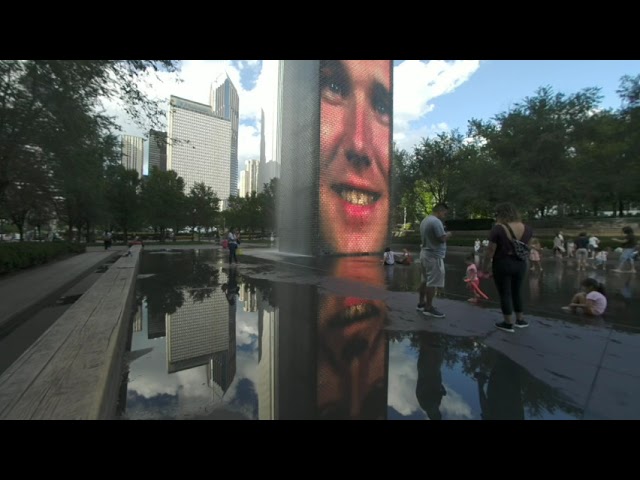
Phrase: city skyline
(430, 96)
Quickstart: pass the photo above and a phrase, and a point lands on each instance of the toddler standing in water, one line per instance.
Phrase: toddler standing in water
(535, 254)
(472, 280)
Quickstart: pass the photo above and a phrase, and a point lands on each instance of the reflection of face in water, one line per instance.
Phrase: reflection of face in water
(352, 350)
(355, 141)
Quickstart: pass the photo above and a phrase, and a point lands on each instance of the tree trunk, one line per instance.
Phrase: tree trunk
(21, 231)
(621, 208)
(70, 233)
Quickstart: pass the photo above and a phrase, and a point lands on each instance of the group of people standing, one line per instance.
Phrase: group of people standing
(586, 247)
(508, 269)
(511, 249)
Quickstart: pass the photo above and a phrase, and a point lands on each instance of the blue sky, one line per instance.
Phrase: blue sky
(498, 84)
(430, 96)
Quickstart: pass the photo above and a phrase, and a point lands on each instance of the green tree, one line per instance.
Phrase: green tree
(532, 145)
(122, 195)
(439, 163)
(164, 200)
(28, 194)
(267, 200)
(203, 206)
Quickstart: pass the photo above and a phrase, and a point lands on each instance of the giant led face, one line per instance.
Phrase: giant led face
(355, 154)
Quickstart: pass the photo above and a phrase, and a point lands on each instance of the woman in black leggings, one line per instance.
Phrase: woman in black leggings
(508, 270)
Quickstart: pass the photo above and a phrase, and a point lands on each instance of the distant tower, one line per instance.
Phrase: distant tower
(225, 103)
(133, 153)
(157, 150)
(262, 168)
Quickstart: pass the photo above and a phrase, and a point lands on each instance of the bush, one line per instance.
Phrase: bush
(17, 256)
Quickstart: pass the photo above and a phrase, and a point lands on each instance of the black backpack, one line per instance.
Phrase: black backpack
(520, 248)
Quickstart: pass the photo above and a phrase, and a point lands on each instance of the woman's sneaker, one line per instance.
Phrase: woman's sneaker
(521, 324)
(507, 327)
(420, 307)
(433, 312)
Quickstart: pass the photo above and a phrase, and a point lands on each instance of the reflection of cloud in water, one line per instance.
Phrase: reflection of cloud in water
(454, 407)
(246, 330)
(403, 377)
(246, 367)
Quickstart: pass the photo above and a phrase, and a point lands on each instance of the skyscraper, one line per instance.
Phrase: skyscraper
(242, 187)
(133, 153)
(251, 177)
(225, 103)
(157, 150)
(262, 169)
(200, 146)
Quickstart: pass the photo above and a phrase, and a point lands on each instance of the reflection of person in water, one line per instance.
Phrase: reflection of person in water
(352, 348)
(355, 154)
(429, 388)
(503, 397)
(231, 288)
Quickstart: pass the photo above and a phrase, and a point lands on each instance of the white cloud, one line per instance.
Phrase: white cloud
(403, 377)
(454, 407)
(411, 136)
(416, 84)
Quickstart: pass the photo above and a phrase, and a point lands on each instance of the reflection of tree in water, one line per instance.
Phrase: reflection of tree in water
(175, 274)
(475, 357)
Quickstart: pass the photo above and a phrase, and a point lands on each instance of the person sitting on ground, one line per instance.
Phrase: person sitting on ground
(592, 300)
(404, 258)
(388, 258)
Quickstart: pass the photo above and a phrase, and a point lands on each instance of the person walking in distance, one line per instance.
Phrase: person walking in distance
(233, 245)
(434, 248)
(508, 268)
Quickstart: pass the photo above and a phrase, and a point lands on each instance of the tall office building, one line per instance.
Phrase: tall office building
(225, 103)
(242, 187)
(200, 146)
(133, 153)
(262, 169)
(251, 177)
(157, 150)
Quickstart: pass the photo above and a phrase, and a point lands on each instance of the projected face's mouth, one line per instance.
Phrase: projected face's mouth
(356, 196)
(354, 314)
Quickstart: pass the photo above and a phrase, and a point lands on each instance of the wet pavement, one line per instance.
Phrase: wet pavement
(338, 339)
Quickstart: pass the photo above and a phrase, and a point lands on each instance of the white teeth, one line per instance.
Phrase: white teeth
(355, 311)
(356, 197)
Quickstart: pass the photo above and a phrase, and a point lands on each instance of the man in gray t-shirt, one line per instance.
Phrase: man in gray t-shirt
(434, 248)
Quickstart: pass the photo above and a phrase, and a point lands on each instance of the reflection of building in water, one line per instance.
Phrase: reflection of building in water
(156, 325)
(137, 321)
(203, 333)
(249, 299)
(267, 360)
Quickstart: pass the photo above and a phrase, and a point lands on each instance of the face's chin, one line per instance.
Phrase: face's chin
(354, 215)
